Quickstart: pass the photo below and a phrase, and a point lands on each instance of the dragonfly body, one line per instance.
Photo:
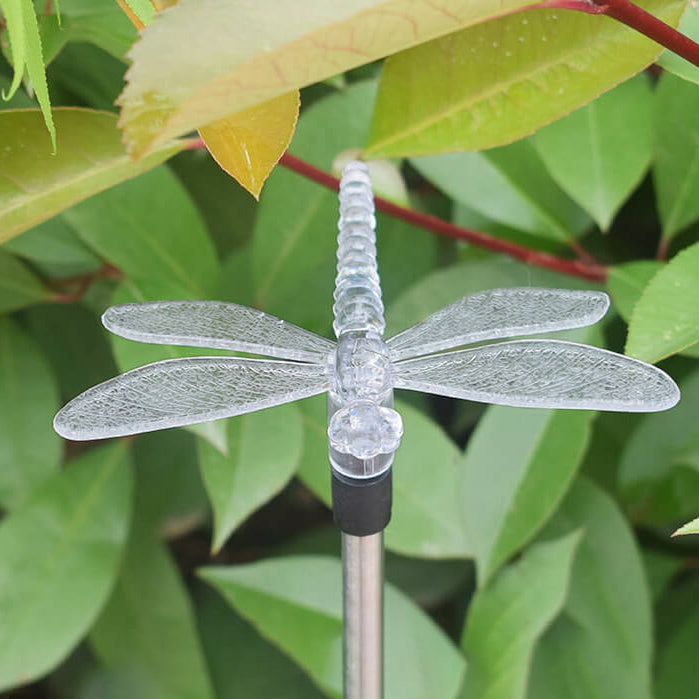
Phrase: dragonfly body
(363, 429)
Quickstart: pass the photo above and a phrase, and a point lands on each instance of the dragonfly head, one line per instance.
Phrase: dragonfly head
(362, 367)
(365, 430)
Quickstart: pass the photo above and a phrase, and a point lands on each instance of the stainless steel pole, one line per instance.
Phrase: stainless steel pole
(362, 560)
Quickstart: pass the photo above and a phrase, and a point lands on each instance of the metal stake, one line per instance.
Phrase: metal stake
(362, 561)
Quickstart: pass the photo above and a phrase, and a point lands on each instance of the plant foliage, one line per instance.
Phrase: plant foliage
(530, 552)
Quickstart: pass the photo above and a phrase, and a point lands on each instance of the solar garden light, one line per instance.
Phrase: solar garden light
(359, 373)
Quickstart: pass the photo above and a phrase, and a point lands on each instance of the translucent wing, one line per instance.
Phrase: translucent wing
(218, 325)
(180, 392)
(499, 313)
(542, 374)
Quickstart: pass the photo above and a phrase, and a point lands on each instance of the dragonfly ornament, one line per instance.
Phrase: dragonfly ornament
(359, 373)
(360, 370)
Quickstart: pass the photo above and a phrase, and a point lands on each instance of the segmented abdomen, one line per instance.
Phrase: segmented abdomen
(358, 304)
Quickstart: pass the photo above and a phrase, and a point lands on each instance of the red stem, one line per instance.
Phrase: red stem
(577, 268)
(633, 16)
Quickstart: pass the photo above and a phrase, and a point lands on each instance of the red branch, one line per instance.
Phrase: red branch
(576, 268)
(633, 16)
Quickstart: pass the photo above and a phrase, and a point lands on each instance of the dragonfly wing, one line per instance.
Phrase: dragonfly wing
(180, 392)
(499, 313)
(542, 374)
(215, 324)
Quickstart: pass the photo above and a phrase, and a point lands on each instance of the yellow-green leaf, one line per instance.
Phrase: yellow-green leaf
(243, 53)
(689, 528)
(35, 185)
(497, 82)
(247, 145)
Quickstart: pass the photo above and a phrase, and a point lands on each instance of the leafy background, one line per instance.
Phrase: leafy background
(529, 554)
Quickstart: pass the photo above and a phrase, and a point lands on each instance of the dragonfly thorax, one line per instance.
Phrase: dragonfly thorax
(361, 367)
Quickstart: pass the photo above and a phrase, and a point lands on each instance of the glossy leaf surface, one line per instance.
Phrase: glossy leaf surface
(605, 624)
(248, 144)
(35, 185)
(63, 545)
(676, 64)
(263, 452)
(509, 185)
(150, 229)
(676, 168)
(627, 282)
(296, 603)
(512, 485)
(29, 449)
(241, 662)
(657, 477)
(147, 629)
(492, 84)
(599, 153)
(284, 47)
(666, 318)
(506, 618)
(19, 287)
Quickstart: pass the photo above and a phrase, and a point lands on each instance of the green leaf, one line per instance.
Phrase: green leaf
(495, 83)
(506, 619)
(244, 665)
(599, 153)
(147, 629)
(29, 448)
(20, 100)
(509, 185)
(314, 464)
(689, 528)
(659, 468)
(86, 74)
(600, 645)
(75, 343)
(150, 229)
(27, 57)
(229, 212)
(169, 491)
(143, 9)
(55, 248)
(263, 452)
(676, 674)
(19, 287)
(282, 47)
(297, 603)
(626, 283)
(666, 318)
(660, 569)
(512, 485)
(60, 556)
(89, 158)
(102, 24)
(676, 168)
(689, 26)
(427, 519)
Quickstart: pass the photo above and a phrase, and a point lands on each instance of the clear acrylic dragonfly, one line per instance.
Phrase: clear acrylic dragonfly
(360, 371)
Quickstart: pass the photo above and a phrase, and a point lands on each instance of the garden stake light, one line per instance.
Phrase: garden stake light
(359, 373)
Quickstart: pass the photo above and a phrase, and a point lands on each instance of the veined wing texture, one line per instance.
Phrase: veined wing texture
(218, 325)
(499, 313)
(542, 374)
(180, 392)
